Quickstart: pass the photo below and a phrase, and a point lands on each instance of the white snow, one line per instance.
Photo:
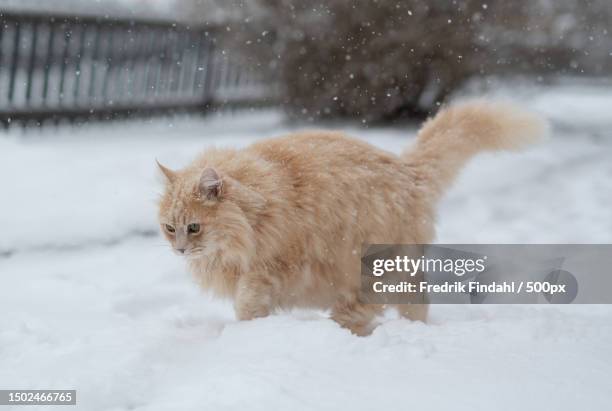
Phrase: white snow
(92, 299)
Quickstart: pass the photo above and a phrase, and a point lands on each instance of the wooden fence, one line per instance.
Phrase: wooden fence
(76, 68)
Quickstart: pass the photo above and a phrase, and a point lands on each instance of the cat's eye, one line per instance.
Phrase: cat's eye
(169, 228)
(193, 228)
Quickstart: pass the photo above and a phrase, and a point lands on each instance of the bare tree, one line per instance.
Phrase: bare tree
(384, 59)
(367, 60)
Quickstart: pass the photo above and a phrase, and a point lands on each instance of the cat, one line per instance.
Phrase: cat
(280, 224)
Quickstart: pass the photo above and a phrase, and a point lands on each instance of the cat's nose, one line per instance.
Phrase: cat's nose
(181, 250)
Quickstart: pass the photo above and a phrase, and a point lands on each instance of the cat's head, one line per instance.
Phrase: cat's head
(209, 216)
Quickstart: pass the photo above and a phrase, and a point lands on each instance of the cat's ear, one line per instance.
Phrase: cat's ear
(170, 175)
(210, 184)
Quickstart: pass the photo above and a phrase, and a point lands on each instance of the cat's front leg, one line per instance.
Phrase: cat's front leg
(254, 297)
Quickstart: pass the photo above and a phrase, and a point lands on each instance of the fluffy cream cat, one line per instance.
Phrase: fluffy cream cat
(280, 224)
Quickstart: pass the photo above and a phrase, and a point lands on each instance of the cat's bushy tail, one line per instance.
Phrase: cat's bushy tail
(447, 141)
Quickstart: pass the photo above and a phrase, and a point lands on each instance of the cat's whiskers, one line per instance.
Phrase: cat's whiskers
(196, 252)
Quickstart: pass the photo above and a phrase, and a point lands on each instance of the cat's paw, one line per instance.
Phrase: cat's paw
(245, 312)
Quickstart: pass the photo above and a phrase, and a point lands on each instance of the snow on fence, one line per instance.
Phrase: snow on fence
(60, 67)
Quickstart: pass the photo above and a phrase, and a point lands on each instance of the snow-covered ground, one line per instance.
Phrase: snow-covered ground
(92, 299)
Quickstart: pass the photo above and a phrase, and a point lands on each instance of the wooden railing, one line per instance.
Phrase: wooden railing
(75, 68)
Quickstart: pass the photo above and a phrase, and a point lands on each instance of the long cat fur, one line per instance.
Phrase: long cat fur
(283, 220)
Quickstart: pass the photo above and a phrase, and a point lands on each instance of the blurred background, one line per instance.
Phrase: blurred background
(365, 61)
